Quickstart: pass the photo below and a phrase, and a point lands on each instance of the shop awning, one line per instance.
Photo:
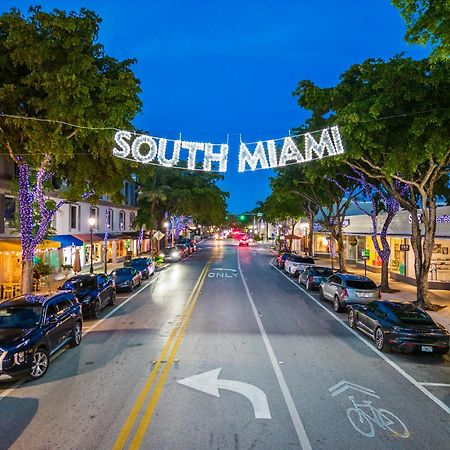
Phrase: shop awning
(86, 238)
(14, 245)
(66, 240)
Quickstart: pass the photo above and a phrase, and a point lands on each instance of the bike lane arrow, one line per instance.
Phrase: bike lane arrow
(209, 383)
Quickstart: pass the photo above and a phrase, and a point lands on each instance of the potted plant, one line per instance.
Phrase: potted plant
(40, 270)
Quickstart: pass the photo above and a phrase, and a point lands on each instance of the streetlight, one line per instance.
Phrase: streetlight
(91, 229)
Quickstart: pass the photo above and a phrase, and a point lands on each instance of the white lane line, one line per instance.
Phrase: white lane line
(298, 425)
(85, 332)
(374, 349)
(435, 384)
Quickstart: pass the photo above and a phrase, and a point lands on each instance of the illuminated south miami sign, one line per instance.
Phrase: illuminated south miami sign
(214, 157)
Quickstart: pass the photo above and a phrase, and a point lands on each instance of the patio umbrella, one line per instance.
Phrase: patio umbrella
(76, 266)
(289, 237)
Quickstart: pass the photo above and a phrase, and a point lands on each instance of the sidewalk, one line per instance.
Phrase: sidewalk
(406, 292)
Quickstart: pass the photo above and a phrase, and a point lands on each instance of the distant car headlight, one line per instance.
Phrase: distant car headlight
(175, 254)
(161, 255)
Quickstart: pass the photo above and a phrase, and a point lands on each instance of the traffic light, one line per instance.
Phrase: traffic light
(242, 217)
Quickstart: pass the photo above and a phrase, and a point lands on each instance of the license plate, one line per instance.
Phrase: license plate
(427, 348)
(363, 294)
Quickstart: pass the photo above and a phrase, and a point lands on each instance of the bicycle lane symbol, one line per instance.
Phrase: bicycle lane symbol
(364, 416)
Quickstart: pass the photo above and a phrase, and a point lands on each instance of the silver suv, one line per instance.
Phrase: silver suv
(345, 289)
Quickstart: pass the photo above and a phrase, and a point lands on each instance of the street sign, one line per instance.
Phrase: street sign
(404, 247)
(209, 383)
(365, 253)
(158, 235)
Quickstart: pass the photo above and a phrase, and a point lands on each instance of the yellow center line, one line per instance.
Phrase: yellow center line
(148, 413)
(132, 417)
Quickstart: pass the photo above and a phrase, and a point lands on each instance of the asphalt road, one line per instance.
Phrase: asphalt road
(277, 369)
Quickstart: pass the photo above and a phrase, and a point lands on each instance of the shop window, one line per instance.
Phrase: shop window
(93, 212)
(122, 220)
(10, 211)
(111, 220)
(73, 217)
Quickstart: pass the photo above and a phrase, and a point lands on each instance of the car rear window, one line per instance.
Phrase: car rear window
(322, 272)
(296, 258)
(411, 314)
(307, 260)
(360, 284)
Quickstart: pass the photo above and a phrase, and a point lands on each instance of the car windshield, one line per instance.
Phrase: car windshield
(411, 314)
(122, 272)
(307, 260)
(322, 272)
(20, 317)
(296, 258)
(361, 284)
(80, 283)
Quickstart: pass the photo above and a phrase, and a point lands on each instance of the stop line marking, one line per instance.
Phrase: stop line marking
(395, 366)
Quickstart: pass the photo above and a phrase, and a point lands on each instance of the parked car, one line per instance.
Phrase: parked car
(312, 276)
(403, 326)
(294, 264)
(94, 291)
(144, 265)
(345, 289)
(33, 327)
(244, 241)
(172, 254)
(281, 259)
(190, 243)
(126, 278)
(184, 249)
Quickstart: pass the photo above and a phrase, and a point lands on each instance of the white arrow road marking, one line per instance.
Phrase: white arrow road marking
(344, 385)
(209, 383)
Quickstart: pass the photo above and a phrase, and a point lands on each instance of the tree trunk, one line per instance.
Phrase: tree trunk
(27, 276)
(385, 276)
(311, 235)
(341, 256)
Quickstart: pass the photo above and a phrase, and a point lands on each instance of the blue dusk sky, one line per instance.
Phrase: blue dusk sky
(212, 68)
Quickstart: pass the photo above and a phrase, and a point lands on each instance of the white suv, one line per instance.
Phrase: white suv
(295, 264)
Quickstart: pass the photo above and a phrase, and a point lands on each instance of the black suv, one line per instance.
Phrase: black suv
(94, 291)
(33, 327)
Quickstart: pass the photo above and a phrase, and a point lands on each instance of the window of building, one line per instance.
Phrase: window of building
(10, 211)
(122, 220)
(93, 212)
(73, 217)
(111, 220)
(132, 219)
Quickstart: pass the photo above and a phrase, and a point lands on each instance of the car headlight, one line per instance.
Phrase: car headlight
(175, 254)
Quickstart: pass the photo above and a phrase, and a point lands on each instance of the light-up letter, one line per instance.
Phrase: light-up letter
(221, 157)
(290, 152)
(193, 147)
(162, 153)
(122, 143)
(245, 156)
(136, 149)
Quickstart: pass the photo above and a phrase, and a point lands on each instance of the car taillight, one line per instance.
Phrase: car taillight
(344, 293)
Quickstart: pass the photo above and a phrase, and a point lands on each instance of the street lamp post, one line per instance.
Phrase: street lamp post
(91, 229)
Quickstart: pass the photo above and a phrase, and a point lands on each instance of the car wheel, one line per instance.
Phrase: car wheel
(380, 342)
(76, 335)
(321, 296)
(351, 319)
(308, 286)
(97, 308)
(337, 304)
(112, 300)
(40, 364)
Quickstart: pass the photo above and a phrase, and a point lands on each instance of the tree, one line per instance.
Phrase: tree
(55, 73)
(428, 22)
(394, 118)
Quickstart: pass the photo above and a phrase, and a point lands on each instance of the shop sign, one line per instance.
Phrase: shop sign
(444, 218)
(404, 247)
(352, 241)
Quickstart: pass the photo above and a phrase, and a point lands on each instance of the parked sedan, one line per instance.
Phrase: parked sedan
(172, 254)
(399, 325)
(126, 278)
(94, 291)
(144, 265)
(32, 328)
(281, 259)
(345, 289)
(312, 276)
(295, 264)
(190, 243)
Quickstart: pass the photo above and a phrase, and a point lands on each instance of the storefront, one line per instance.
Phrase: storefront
(358, 236)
